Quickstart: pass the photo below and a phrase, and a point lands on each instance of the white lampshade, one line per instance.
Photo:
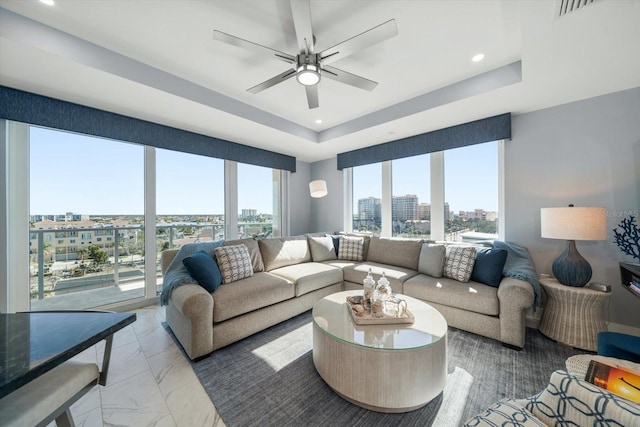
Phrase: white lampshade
(574, 223)
(318, 188)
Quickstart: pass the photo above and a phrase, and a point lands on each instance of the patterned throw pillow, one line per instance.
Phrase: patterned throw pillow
(351, 248)
(234, 263)
(458, 262)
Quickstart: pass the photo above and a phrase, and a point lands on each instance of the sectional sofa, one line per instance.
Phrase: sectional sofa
(288, 275)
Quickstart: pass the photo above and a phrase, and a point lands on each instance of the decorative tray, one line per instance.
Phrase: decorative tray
(365, 318)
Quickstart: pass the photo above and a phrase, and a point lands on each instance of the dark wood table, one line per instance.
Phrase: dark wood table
(36, 342)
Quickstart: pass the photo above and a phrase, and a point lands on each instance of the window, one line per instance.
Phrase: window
(87, 193)
(471, 192)
(451, 194)
(367, 198)
(189, 200)
(411, 197)
(258, 201)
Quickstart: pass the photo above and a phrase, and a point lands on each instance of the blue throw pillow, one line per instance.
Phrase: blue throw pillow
(202, 267)
(488, 266)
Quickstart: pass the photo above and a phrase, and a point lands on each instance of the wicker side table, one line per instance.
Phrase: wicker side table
(573, 316)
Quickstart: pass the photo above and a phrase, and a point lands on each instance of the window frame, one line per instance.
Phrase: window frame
(437, 195)
(14, 223)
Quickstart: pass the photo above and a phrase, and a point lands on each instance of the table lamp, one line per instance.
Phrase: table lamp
(573, 223)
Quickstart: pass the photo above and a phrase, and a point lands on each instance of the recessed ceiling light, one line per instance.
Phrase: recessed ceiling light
(477, 58)
(48, 2)
(318, 121)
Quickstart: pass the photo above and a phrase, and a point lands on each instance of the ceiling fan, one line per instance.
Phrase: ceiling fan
(308, 66)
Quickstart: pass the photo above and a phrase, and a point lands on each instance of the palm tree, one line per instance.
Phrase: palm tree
(81, 253)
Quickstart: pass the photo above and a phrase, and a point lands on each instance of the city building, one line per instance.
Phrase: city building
(404, 208)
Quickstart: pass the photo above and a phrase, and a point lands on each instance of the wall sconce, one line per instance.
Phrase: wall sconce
(318, 188)
(571, 224)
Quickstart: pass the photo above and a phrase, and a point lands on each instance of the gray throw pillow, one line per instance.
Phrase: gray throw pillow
(431, 261)
(322, 248)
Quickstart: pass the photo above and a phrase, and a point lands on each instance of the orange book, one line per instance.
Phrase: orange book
(617, 380)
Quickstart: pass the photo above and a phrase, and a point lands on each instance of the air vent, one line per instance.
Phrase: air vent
(568, 6)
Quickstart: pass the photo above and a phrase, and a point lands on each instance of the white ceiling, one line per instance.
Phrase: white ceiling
(157, 60)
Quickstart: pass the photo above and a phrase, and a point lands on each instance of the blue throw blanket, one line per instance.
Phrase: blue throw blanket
(177, 273)
(520, 266)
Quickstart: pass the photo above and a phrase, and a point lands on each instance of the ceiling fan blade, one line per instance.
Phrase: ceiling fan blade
(255, 47)
(272, 81)
(312, 96)
(362, 41)
(301, 11)
(348, 78)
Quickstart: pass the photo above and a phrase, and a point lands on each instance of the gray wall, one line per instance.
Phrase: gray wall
(299, 199)
(327, 212)
(586, 153)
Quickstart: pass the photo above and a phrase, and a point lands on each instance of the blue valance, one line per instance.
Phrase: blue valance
(26, 107)
(485, 130)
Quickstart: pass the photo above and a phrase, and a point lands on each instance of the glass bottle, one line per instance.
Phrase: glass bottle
(380, 294)
(369, 286)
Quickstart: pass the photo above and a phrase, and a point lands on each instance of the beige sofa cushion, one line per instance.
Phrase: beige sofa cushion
(309, 276)
(396, 275)
(322, 248)
(470, 296)
(402, 253)
(254, 252)
(260, 290)
(282, 251)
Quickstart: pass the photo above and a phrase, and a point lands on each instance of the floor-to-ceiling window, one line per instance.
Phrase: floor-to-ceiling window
(258, 201)
(86, 208)
(411, 197)
(471, 192)
(367, 198)
(189, 200)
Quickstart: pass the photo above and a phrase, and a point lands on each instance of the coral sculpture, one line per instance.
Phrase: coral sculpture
(628, 240)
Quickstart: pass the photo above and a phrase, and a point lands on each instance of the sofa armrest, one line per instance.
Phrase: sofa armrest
(193, 301)
(515, 297)
(568, 400)
(166, 257)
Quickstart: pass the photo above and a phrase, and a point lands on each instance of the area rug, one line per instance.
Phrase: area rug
(269, 379)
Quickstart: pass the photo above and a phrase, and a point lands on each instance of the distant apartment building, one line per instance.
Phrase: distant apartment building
(424, 211)
(404, 208)
(249, 213)
(63, 239)
(478, 214)
(370, 209)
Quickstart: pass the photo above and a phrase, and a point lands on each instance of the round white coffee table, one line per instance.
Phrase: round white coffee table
(385, 368)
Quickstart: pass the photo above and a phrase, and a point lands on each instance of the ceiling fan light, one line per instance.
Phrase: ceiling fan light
(308, 75)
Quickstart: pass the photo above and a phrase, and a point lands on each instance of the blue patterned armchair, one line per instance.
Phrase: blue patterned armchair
(567, 401)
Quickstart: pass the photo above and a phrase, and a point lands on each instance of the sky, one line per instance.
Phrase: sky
(88, 175)
(471, 178)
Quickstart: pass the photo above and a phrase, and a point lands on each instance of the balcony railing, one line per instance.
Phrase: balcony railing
(63, 269)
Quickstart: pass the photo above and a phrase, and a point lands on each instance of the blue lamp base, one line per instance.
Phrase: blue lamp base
(570, 268)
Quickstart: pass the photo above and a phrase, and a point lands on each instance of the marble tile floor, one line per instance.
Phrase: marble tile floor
(150, 382)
